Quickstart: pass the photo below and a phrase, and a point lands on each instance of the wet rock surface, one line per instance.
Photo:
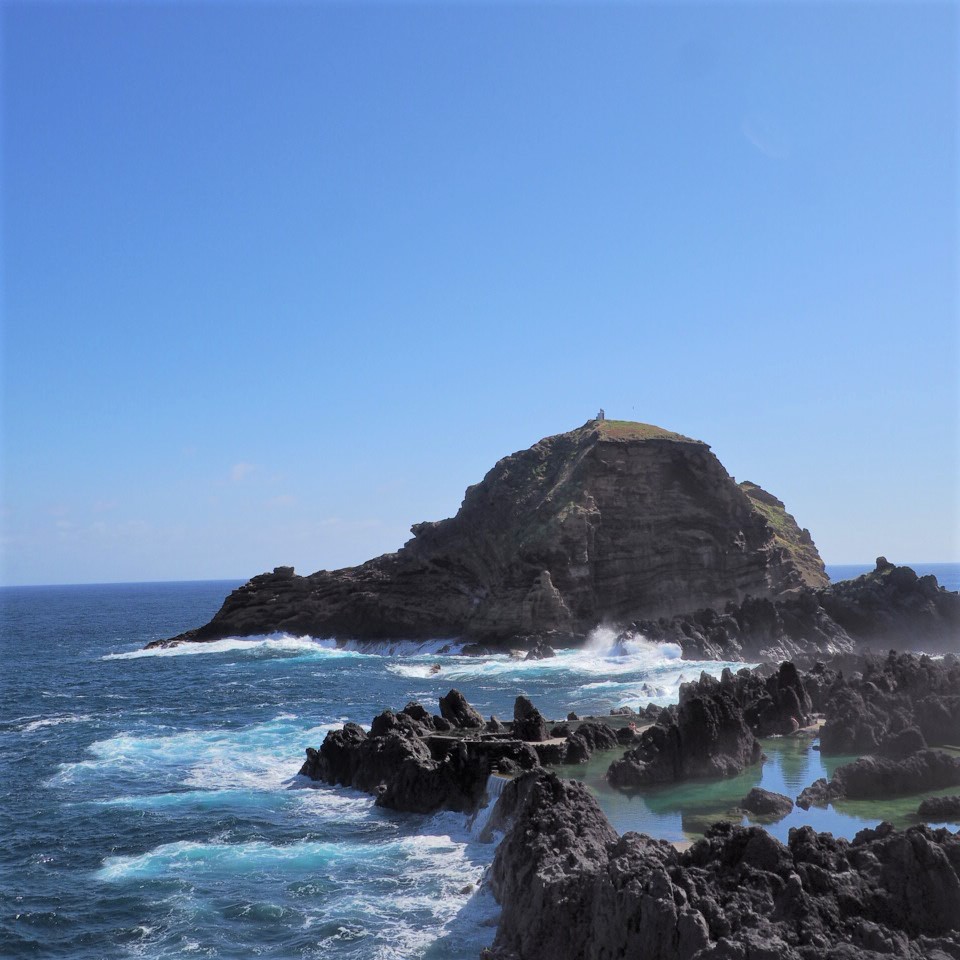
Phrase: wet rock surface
(571, 888)
(409, 766)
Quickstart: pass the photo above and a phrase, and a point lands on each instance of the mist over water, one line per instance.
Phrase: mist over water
(151, 807)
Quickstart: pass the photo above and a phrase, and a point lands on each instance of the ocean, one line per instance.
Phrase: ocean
(150, 804)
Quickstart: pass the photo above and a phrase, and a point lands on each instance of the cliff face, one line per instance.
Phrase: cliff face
(613, 521)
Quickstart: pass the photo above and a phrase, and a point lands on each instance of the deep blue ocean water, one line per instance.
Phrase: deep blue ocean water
(150, 806)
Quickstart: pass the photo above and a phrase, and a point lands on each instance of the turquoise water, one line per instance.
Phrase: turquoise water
(149, 804)
(682, 812)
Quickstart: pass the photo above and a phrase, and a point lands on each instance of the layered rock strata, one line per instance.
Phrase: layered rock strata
(570, 887)
(611, 522)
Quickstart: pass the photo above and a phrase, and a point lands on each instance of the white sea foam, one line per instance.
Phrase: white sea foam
(400, 894)
(231, 859)
(259, 757)
(55, 721)
(603, 654)
(288, 645)
(278, 644)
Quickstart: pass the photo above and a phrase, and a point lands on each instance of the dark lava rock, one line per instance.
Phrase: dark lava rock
(627, 735)
(390, 722)
(706, 737)
(542, 651)
(571, 888)
(898, 746)
(890, 606)
(455, 709)
(763, 803)
(551, 753)
(407, 766)
(528, 723)
(495, 726)
(572, 716)
(587, 738)
(888, 696)
(784, 705)
(418, 712)
(622, 711)
(940, 809)
(876, 778)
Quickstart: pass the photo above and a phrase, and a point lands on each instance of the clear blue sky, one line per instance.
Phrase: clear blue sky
(281, 280)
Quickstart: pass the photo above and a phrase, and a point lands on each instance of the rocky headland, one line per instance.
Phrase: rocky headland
(571, 887)
(611, 522)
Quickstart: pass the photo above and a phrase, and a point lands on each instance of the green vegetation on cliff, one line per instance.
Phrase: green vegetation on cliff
(629, 430)
(795, 541)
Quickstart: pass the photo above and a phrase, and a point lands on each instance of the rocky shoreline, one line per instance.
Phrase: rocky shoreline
(570, 887)
(419, 762)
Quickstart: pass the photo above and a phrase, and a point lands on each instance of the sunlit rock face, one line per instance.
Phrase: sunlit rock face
(611, 522)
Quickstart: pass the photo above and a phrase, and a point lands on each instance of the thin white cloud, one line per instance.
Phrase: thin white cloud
(240, 471)
(761, 133)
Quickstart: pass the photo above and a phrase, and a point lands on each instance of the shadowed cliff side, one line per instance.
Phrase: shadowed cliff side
(612, 521)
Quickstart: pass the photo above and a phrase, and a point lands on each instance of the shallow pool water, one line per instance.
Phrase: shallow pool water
(682, 812)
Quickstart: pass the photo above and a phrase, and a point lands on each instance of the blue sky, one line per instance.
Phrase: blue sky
(281, 280)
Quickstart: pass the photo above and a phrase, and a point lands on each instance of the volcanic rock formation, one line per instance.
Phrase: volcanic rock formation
(888, 607)
(612, 521)
(570, 887)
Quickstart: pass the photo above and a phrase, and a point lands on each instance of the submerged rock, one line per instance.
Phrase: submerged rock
(571, 888)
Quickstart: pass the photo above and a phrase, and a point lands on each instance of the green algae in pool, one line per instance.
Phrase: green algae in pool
(682, 812)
